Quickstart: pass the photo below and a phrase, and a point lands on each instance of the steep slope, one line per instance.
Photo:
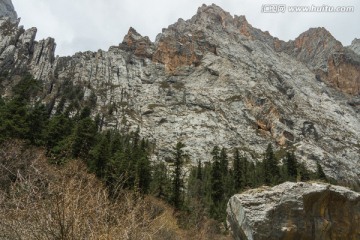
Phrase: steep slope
(332, 63)
(326, 56)
(32, 198)
(7, 10)
(211, 80)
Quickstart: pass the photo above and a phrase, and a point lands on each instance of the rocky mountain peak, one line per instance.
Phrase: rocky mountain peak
(132, 33)
(136, 43)
(314, 46)
(213, 14)
(7, 10)
(355, 45)
(327, 58)
(316, 39)
(217, 19)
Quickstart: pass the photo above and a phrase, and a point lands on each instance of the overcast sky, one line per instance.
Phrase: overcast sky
(80, 25)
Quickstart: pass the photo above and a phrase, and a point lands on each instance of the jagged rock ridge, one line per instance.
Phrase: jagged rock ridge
(295, 211)
(210, 80)
(7, 10)
(355, 46)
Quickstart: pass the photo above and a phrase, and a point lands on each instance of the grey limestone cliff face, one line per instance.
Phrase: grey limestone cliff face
(205, 81)
(7, 10)
(355, 46)
(300, 211)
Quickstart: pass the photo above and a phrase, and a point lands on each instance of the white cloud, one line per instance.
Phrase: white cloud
(80, 25)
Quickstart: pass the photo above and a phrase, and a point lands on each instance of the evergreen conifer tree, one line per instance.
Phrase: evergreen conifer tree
(320, 172)
(199, 171)
(177, 177)
(160, 185)
(303, 173)
(217, 185)
(291, 166)
(271, 169)
(238, 171)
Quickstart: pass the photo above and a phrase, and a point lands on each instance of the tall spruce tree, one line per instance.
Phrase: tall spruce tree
(224, 162)
(303, 173)
(37, 121)
(160, 185)
(143, 174)
(217, 185)
(143, 168)
(226, 175)
(270, 164)
(238, 171)
(291, 166)
(320, 172)
(199, 171)
(57, 130)
(83, 137)
(177, 177)
(99, 159)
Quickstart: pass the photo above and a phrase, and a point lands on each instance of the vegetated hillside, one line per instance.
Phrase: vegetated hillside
(211, 108)
(212, 80)
(121, 159)
(39, 200)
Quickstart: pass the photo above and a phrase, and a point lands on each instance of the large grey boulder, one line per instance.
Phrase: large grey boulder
(295, 211)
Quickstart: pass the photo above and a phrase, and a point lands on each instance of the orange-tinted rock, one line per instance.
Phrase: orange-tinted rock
(139, 45)
(244, 27)
(182, 50)
(326, 56)
(343, 74)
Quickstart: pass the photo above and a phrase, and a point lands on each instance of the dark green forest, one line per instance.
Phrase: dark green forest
(121, 159)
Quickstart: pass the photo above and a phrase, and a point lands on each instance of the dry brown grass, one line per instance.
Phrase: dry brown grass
(42, 201)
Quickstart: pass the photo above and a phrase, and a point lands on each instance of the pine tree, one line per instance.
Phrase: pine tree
(160, 185)
(128, 166)
(100, 158)
(320, 172)
(37, 120)
(255, 175)
(207, 185)
(291, 166)
(245, 166)
(57, 130)
(224, 162)
(226, 175)
(14, 116)
(303, 173)
(26, 89)
(238, 171)
(83, 137)
(177, 177)
(143, 174)
(217, 186)
(143, 169)
(199, 171)
(14, 119)
(195, 186)
(271, 169)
